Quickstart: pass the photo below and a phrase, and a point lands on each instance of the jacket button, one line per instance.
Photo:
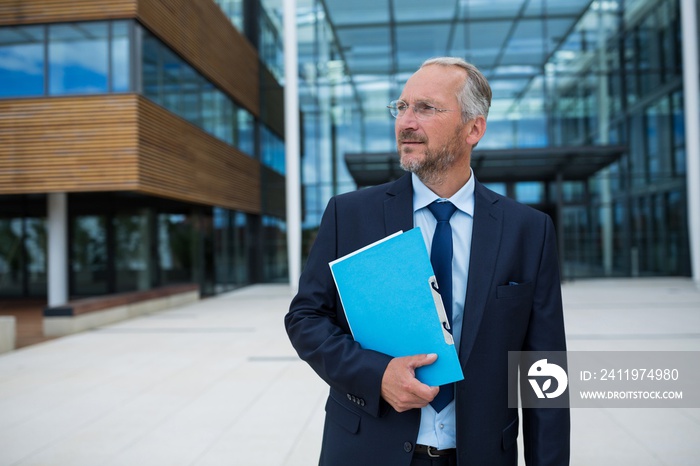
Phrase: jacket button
(408, 447)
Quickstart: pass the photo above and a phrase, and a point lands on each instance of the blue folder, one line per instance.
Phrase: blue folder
(388, 292)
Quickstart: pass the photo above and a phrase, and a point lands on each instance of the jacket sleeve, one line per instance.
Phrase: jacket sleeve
(318, 330)
(546, 431)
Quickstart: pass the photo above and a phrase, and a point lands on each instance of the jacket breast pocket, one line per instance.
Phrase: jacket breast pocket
(342, 416)
(521, 290)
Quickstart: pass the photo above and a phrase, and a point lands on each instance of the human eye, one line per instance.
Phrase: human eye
(423, 108)
(400, 105)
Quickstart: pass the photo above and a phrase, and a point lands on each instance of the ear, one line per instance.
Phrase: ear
(475, 130)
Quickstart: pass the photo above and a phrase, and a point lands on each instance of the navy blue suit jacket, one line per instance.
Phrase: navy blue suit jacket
(510, 243)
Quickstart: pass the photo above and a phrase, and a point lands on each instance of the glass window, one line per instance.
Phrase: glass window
(172, 70)
(223, 250)
(121, 65)
(631, 73)
(649, 55)
(275, 249)
(191, 95)
(132, 251)
(271, 50)
(89, 255)
(11, 258)
(679, 161)
(171, 82)
(35, 244)
(241, 248)
(245, 131)
(151, 68)
(78, 58)
(176, 239)
(499, 188)
(529, 192)
(272, 150)
(234, 10)
(225, 130)
(21, 61)
(211, 99)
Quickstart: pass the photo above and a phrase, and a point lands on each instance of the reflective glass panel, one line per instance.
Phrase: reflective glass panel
(35, 242)
(151, 67)
(172, 80)
(175, 248)
(11, 260)
(234, 10)
(191, 95)
(272, 150)
(78, 58)
(89, 255)
(245, 131)
(21, 61)
(131, 251)
(241, 242)
(121, 65)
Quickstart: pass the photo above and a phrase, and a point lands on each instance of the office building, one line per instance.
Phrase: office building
(148, 135)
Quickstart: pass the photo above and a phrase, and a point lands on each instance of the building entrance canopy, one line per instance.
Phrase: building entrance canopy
(499, 165)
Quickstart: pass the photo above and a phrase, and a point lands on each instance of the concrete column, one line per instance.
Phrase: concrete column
(58, 249)
(689, 27)
(291, 137)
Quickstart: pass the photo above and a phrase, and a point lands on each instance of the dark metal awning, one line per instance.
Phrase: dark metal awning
(499, 165)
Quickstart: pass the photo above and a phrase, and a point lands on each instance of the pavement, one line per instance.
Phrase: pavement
(217, 383)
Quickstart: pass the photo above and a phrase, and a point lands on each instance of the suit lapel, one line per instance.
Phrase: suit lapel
(486, 239)
(398, 206)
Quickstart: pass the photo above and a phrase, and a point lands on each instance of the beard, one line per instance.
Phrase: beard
(433, 168)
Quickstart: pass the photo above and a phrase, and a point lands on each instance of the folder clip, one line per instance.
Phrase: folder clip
(440, 308)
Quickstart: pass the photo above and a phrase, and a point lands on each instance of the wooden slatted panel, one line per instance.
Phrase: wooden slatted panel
(68, 144)
(180, 161)
(196, 29)
(200, 32)
(119, 143)
(50, 11)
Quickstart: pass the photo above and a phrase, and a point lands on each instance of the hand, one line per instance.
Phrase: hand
(401, 389)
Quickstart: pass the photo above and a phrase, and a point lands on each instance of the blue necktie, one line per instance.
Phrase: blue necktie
(441, 259)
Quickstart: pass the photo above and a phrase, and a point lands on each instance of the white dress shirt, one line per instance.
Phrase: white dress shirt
(439, 429)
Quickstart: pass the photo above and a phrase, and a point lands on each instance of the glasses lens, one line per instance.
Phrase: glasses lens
(396, 107)
(423, 111)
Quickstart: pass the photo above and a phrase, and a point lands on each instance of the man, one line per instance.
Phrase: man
(505, 287)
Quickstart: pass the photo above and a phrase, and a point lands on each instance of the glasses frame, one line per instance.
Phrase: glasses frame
(419, 112)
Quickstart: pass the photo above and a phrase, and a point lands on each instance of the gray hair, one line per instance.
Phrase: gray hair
(475, 96)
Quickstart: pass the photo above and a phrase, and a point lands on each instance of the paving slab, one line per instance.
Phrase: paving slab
(217, 383)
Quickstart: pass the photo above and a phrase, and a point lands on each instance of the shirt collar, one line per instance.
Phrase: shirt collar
(463, 199)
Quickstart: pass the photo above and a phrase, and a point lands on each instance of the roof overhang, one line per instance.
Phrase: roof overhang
(499, 165)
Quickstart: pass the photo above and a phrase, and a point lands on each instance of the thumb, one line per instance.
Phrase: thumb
(423, 360)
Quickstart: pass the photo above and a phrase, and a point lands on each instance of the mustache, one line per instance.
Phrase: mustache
(409, 135)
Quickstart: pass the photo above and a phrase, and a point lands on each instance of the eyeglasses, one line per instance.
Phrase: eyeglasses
(421, 110)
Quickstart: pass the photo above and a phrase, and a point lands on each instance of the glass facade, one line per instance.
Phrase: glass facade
(97, 58)
(564, 74)
(128, 243)
(62, 59)
(171, 82)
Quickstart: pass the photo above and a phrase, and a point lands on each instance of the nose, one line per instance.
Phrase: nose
(408, 120)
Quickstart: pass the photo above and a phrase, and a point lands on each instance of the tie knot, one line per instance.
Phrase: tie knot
(442, 211)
